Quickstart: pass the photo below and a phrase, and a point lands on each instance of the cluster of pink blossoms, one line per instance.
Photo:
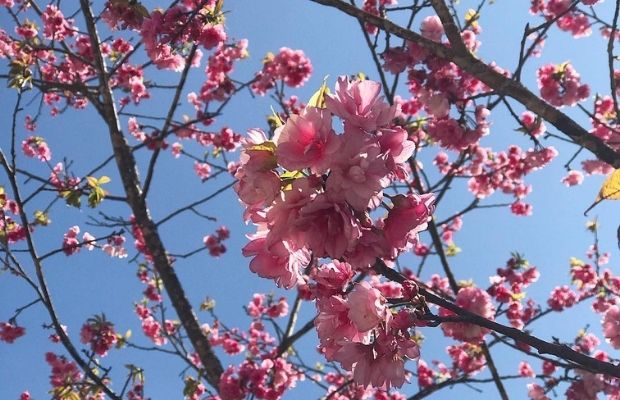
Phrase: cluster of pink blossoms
(319, 206)
(215, 242)
(99, 334)
(505, 170)
(290, 66)
(9, 332)
(35, 146)
(64, 374)
(165, 33)
(561, 85)
(316, 208)
(573, 21)
(508, 287)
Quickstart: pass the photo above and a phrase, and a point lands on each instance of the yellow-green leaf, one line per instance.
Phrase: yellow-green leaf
(92, 181)
(471, 18)
(609, 191)
(318, 98)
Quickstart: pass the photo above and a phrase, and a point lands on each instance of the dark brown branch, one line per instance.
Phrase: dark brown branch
(543, 347)
(126, 164)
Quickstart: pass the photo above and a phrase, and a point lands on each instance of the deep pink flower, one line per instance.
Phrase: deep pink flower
(10, 332)
(408, 216)
(329, 229)
(308, 141)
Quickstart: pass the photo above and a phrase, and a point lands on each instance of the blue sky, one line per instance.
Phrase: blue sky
(87, 284)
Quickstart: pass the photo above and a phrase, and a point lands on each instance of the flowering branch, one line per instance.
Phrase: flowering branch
(498, 82)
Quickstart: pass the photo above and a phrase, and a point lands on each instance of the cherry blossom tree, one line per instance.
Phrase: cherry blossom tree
(348, 195)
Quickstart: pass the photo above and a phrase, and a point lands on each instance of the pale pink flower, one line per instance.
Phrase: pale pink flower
(475, 300)
(332, 278)
(35, 146)
(394, 142)
(367, 307)
(115, 247)
(536, 392)
(333, 325)
(257, 188)
(308, 141)
(596, 167)
(534, 125)
(432, 28)
(360, 173)
(526, 370)
(88, 241)
(203, 170)
(360, 104)
(573, 178)
(611, 326)
(279, 262)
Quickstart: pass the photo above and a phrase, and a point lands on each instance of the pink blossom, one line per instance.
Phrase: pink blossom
(366, 307)
(596, 167)
(526, 370)
(278, 262)
(99, 334)
(573, 178)
(477, 301)
(408, 216)
(115, 247)
(561, 297)
(359, 173)
(290, 66)
(611, 326)
(70, 243)
(432, 28)
(534, 125)
(520, 208)
(467, 357)
(536, 392)
(9, 332)
(35, 146)
(308, 141)
(560, 85)
(332, 278)
(64, 373)
(55, 26)
(203, 170)
(153, 330)
(360, 104)
(329, 229)
(394, 142)
(333, 325)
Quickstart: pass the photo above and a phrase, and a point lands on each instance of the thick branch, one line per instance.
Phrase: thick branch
(129, 175)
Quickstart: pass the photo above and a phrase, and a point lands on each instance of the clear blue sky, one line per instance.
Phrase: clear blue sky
(87, 284)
